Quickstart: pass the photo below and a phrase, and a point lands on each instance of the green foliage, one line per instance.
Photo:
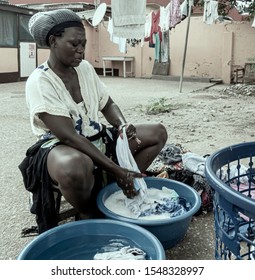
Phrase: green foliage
(159, 106)
(225, 6)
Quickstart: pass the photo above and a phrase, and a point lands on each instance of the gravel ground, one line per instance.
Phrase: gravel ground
(196, 122)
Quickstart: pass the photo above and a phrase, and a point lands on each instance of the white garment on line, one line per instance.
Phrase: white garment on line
(147, 26)
(121, 42)
(253, 24)
(129, 18)
(210, 11)
(165, 47)
(184, 8)
(175, 13)
(164, 18)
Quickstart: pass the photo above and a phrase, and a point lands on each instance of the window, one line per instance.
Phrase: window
(8, 29)
(23, 29)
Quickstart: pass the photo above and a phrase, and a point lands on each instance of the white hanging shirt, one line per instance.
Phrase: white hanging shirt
(121, 42)
(147, 26)
(210, 11)
(164, 19)
(253, 24)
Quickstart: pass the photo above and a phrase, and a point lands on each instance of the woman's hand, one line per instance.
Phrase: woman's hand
(125, 180)
(130, 132)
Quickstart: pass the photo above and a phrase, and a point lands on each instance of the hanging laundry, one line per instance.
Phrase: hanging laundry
(147, 27)
(129, 18)
(253, 24)
(133, 42)
(157, 46)
(184, 9)
(210, 11)
(156, 34)
(121, 42)
(175, 13)
(155, 28)
(164, 19)
(165, 47)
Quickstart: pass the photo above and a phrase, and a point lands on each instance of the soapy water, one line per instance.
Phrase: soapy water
(157, 204)
(87, 247)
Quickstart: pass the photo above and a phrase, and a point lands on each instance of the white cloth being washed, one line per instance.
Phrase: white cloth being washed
(125, 253)
(126, 160)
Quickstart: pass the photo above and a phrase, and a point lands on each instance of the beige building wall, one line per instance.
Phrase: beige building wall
(42, 55)
(212, 50)
(9, 60)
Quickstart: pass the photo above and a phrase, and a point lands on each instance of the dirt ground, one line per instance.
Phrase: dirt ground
(203, 118)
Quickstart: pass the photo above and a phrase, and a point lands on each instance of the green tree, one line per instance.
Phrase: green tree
(225, 6)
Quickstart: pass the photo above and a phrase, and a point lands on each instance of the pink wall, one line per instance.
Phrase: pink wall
(9, 61)
(108, 2)
(212, 50)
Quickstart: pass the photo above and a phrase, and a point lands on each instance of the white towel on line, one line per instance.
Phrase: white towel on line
(129, 18)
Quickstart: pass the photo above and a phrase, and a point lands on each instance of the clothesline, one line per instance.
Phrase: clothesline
(149, 27)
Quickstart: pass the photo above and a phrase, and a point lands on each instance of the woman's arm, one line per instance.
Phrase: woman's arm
(63, 129)
(113, 114)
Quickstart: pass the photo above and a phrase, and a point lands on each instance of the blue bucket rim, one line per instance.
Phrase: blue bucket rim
(158, 246)
(230, 194)
(141, 222)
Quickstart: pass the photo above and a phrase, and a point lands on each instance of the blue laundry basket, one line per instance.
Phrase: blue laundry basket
(231, 174)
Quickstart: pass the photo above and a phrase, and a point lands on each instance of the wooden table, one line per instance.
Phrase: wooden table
(124, 59)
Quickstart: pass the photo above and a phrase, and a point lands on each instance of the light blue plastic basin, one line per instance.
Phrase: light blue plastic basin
(81, 240)
(169, 231)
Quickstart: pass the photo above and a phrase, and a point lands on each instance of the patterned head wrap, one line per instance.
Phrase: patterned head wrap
(43, 24)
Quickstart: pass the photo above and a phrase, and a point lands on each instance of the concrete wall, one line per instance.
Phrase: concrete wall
(42, 55)
(212, 50)
(9, 60)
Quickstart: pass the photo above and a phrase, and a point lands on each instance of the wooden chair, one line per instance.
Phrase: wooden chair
(249, 73)
(239, 75)
(244, 74)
